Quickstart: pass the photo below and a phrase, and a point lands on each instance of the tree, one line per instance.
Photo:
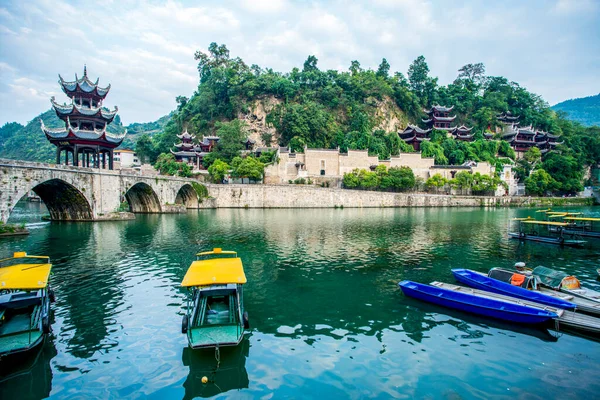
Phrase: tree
(218, 170)
(181, 102)
(472, 72)
(145, 149)
(383, 69)
(398, 179)
(250, 168)
(539, 183)
(418, 77)
(436, 182)
(351, 180)
(355, 68)
(167, 165)
(232, 135)
(310, 64)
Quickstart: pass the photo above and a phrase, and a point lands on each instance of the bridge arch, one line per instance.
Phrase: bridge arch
(64, 201)
(187, 196)
(142, 199)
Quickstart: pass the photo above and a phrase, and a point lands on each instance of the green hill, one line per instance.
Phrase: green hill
(585, 110)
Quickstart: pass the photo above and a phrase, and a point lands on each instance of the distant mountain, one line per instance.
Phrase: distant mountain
(137, 129)
(29, 142)
(585, 110)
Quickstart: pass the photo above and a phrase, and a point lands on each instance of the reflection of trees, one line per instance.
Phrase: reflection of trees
(28, 376)
(231, 372)
(89, 285)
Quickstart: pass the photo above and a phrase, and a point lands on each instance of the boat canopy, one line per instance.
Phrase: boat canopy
(583, 219)
(216, 271)
(25, 276)
(556, 279)
(544, 223)
(543, 211)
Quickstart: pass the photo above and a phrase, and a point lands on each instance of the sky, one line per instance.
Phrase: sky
(145, 49)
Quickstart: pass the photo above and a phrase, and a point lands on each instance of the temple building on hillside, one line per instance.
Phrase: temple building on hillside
(84, 137)
(439, 118)
(507, 118)
(191, 153)
(522, 139)
(462, 133)
(414, 135)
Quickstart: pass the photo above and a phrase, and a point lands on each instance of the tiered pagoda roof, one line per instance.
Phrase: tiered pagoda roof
(64, 111)
(192, 151)
(83, 136)
(507, 118)
(414, 135)
(83, 87)
(463, 133)
(439, 118)
(85, 120)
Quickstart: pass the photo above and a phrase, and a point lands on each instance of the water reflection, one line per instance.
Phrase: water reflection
(229, 373)
(28, 374)
(327, 316)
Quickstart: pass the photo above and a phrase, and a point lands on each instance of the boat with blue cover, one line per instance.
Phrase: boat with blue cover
(477, 304)
(483, 282)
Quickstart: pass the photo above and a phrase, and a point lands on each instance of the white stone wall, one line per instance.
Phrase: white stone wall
(309, 196)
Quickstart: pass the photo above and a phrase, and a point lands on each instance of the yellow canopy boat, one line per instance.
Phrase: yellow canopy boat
(24, 302)
(215, 313)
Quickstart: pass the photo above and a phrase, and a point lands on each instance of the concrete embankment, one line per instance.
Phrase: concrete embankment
(296, 196)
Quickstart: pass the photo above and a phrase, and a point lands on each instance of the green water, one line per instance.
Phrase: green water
(327, 318)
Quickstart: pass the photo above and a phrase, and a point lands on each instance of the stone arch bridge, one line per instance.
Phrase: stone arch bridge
(84, 194)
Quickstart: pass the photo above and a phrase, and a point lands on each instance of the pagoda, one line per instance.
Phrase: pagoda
(439, 118)
(414, 135)
(84, 135)
(463, 133)
(507, 118)
(191, 153)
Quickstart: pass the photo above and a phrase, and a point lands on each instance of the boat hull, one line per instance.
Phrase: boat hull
(475, 304)
(550, 240)
(566, 319)
(479, 281)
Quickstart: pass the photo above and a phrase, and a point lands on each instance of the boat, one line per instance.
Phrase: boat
(583, 226)
(215, 313)
(24, 302)
(530, 229)
(566, 319)
(483, 282)
(476, 304)
(530, 282)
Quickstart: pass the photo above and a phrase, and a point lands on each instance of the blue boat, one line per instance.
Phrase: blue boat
(475, 304)
(483, 282)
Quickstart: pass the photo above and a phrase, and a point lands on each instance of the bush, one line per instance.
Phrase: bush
(167, 165)
(218, 170)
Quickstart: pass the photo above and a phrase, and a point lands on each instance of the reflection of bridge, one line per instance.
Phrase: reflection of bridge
(85, 194)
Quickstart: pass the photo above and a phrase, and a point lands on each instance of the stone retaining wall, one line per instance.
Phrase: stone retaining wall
(297, 196)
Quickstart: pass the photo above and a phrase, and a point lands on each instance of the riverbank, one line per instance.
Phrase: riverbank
(296, 196)
(12, 230)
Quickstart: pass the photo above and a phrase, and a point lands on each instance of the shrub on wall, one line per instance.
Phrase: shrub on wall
(396, 179)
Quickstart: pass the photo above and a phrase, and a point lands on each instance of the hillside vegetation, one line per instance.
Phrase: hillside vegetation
(354, 109)
(585, 110)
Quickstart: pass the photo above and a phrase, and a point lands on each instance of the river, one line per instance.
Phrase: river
(327, 317)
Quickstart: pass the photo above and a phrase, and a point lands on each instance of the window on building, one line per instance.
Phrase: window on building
(322, 167)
